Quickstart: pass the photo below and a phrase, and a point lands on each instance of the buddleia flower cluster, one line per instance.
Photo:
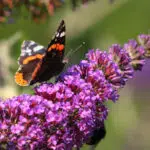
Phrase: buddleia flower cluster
(66, 114)
(39, 9)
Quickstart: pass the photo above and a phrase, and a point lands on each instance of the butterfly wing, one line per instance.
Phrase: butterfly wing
(29, 61)
(52, 62)
(56, 47)
(38, 64)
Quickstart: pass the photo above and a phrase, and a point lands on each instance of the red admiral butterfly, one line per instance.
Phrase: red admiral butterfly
(37, 63)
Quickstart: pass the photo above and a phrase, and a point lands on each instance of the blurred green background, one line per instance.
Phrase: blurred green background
(99, 24)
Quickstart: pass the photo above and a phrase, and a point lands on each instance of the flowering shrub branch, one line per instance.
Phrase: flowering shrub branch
(64, 115)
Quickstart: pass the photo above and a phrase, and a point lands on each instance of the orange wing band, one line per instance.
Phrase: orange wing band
(31, 58)
(36, 70)
(58, 47)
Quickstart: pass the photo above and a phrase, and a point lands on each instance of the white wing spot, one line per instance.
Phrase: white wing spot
(28, 51)
(57, 34)
(37, 48)
(62, 34)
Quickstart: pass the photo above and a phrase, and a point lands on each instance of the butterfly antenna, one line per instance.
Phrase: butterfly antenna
(73, 51)
(66, 60)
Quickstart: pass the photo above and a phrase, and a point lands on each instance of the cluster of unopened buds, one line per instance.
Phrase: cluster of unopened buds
(39, 9)
(66, 114)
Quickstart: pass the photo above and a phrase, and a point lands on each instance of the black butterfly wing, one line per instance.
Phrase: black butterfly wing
(56, 47)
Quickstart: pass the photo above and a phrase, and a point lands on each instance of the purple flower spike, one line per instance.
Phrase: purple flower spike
(121, 57)
(144, 40)
(24, 129)
(136, 53)
(72, 111)
(79, 100)
(103, 61)
(51, 125)
(96, 78)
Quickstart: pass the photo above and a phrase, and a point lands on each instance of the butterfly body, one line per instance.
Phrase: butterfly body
(37, 63)
(48, 70)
